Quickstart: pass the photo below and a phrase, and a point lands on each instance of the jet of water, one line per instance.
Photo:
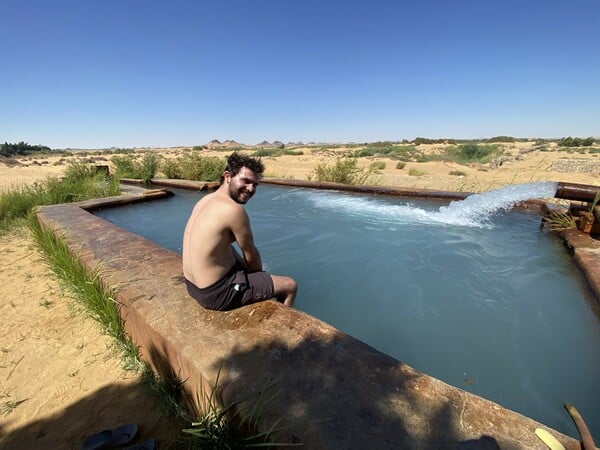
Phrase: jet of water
(478, 208)
(475, 211)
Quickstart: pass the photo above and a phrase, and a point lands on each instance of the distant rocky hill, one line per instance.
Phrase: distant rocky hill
(229, 143)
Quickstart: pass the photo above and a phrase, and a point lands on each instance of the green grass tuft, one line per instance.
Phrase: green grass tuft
(94, 299)
(80, 182)
(232, 425)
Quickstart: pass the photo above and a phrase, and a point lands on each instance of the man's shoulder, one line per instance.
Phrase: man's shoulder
(222, 204)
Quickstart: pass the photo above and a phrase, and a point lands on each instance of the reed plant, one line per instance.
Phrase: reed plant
(128, 167)
(193, 166)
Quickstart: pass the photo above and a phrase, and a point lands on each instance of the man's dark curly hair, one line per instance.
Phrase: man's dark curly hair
(235, 162)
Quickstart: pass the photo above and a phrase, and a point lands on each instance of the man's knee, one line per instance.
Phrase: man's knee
(291, 284)
(284, 284)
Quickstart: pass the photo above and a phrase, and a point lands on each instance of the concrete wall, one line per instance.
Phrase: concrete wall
(331, 390)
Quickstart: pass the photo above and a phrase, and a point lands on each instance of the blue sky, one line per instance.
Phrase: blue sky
(94, 74)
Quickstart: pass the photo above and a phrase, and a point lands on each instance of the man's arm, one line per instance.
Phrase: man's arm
(240, 227)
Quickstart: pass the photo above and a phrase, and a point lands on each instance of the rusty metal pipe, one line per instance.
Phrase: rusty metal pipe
(574, 191)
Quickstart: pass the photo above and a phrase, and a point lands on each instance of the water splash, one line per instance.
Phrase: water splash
(475, 211)
(480, 207)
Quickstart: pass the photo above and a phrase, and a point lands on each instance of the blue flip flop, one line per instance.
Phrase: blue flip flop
(115, 437)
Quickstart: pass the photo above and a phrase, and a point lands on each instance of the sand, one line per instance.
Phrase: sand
(61, 378)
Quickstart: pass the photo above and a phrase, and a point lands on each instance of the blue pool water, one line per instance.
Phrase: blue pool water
(480, 299)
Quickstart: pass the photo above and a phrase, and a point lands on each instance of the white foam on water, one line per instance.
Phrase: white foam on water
(475, 211)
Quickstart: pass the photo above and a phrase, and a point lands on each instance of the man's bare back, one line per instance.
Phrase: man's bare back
(207, 239)
(216, 222)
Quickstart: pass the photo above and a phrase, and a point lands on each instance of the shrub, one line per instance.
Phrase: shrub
(79, 183)
(21, 148)
(471, 152)
(501, 139)
(458, 173)
(274, 152)
(192, 166)
(376, 166)
(171, 168)
(128, 167)
(387, 149)
(148, 167)
(416, 172)
(212, 168)
(400, 165)
(576, 142)
(375, 148)
(125, 166)
(345, 171)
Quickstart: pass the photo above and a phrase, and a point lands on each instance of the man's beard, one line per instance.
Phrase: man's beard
(239, 196)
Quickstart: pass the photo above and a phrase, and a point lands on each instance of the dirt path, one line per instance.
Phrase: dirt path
(61, 377)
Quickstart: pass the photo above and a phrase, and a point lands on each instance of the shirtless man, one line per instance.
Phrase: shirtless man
(216, 275)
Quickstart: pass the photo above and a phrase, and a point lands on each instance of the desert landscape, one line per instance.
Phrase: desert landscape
(62, 377)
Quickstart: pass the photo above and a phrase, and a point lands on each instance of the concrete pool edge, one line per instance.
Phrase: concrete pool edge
(337, 392)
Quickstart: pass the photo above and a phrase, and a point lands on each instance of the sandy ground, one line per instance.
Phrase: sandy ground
(61, 378)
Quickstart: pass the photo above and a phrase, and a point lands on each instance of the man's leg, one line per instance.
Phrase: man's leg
(285, 289)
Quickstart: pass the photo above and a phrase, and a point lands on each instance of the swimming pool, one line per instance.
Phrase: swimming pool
(490, 305)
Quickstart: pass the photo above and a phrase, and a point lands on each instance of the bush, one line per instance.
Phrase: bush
(576, 142)
(125, 167)
(376, 166)
(128, 167)
(192, 166)
(471, 152)
(416, 172)
(21, 148)
(148, 167)
(345, 171)
(458, 173)
(400, 165)
(274, 152)
(501, 139)
(387, 149)
(79, 183)
(171, 168)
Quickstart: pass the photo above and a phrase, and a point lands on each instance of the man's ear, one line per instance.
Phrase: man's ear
(226, 176)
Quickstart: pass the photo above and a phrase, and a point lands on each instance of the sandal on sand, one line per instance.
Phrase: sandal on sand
(149, 444)
(115, 437)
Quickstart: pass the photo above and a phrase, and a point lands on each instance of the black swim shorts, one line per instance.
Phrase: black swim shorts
(238, 287)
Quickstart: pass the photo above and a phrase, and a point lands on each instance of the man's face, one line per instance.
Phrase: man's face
(243, 186)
